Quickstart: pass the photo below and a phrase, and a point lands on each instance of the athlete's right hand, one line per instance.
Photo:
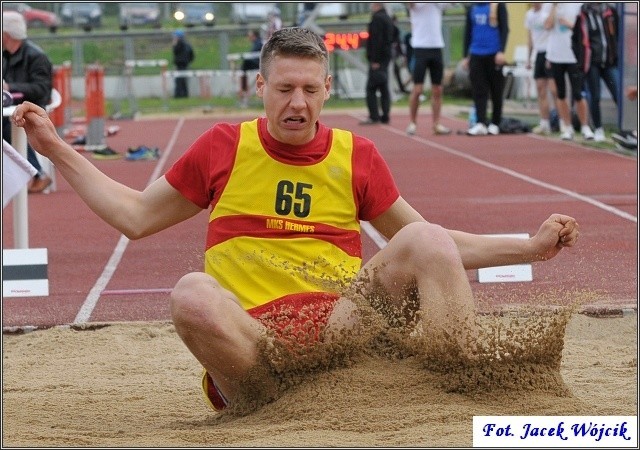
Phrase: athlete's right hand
(41, 132)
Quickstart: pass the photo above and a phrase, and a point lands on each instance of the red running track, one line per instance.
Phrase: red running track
(487, 185)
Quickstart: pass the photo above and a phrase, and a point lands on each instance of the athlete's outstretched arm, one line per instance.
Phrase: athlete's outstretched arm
(134, 213)
(477, 251)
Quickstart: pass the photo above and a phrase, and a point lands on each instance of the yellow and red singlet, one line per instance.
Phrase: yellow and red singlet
(281, 229)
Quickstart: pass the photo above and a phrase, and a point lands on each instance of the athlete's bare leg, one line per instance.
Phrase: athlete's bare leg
(423, 257)
(436, 103)
(215, 328)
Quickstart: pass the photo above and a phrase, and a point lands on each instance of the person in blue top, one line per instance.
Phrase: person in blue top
(486, 32)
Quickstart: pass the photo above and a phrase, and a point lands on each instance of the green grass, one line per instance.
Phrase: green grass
(109, 52)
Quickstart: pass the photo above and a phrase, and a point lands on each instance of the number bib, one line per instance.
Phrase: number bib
(281, 229)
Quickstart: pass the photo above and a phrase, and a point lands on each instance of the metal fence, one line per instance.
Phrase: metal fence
(112, 49)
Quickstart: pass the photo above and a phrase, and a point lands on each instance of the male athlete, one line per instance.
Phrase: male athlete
(285, 196)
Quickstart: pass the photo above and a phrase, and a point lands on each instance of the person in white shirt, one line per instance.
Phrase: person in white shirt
(427, 43)
(537, 43)
(562, 18)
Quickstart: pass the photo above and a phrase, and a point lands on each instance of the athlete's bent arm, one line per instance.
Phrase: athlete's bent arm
(478, 251)
(134, 213)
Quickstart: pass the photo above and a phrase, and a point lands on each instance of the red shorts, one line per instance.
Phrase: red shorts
(297, 319)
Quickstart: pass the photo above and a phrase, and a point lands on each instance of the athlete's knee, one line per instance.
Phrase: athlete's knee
(195, 299)
(426, 244)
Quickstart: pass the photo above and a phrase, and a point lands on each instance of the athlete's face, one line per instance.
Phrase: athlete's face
(293, 97)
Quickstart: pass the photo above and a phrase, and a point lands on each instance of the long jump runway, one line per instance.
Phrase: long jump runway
(487, 185)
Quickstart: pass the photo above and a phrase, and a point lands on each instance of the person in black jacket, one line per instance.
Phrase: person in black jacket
(398, 55)
(182, 56)
(595, 44)
(27, 73)
(379, 46)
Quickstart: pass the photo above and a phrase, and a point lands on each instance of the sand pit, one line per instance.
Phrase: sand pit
(135, 384)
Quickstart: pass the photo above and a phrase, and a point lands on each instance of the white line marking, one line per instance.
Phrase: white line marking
(379, 239)
(94, 294)
(136, 291)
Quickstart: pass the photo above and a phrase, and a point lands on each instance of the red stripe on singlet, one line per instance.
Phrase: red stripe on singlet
(227, 227)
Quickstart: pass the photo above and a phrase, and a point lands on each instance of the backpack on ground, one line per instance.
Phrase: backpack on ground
(511, 125)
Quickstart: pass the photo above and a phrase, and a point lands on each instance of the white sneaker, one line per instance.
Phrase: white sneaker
(541, 129)
(478, 129)
(587, 133)
(599, 136)
(411, 129)
(441, 129)
(493, 129)
(566, 135)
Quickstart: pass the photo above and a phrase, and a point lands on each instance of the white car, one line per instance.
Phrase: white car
(242, 12)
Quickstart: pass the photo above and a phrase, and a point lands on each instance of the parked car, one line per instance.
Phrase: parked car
(35, 18)
(192, 14)
(139, 14)
(83, 15)
(336, 9)
(242, 12)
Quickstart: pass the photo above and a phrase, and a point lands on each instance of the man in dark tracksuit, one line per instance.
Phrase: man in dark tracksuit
(595, 44)
(27, 73)
(182, 57)
(379, 46)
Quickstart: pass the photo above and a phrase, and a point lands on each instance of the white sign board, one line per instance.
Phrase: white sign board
(507, 274)
(24, 272)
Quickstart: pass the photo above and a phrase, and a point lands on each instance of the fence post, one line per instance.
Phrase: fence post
(61, 83)
(94, 105)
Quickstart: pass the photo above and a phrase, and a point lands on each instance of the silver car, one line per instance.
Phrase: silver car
(139, 14)
(83, 15)
(243, 12)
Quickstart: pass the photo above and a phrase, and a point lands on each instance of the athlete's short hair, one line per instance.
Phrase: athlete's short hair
(293, 41)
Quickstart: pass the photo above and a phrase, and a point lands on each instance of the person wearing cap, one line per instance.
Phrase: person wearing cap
(27, 73)
(183, 56)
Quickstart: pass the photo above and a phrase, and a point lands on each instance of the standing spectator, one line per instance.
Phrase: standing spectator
(561, 56)
(628, 139)
(537, 43)
(398, 56)
(595, 44)
(249, 64)
(27, 73)
(379, 57)
(486, 32)
(307, 9)
(408, 52)
(427, 44)
(183, 56)
(274, 23)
